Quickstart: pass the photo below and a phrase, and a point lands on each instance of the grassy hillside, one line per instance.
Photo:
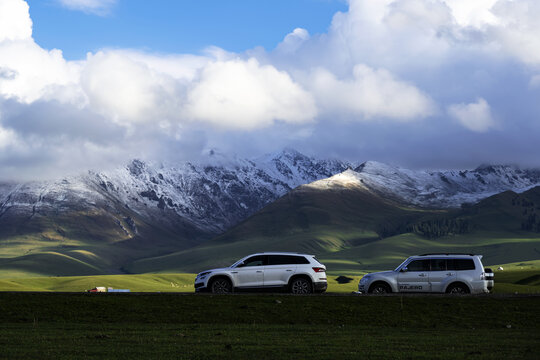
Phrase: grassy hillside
(346, 229)
(82, 242)
(305, 220)
(349, 228)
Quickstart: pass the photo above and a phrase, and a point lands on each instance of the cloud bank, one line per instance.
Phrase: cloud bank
(413, 82)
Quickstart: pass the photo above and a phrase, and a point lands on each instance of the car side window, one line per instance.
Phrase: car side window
(418, 265)
(301, 260)
(465, 264)
(286, 260)
(461, 264)
(280, 260)
(257, 260)
(438, 264)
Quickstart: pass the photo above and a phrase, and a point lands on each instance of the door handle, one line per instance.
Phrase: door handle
(289, 270)
(259, 271)
(450, 274)
(234, 272)
(422, 275)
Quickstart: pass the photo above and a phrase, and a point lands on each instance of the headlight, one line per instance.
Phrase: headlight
(203, 274)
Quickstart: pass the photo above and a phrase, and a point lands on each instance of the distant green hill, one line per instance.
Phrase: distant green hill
(100, 241)
(352, 229)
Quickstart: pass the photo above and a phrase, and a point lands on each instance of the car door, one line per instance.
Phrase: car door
(250, 273)
(414, 277)
(440, 275)
(279, 269)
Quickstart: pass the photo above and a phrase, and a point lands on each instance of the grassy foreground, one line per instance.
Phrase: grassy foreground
(172, 326)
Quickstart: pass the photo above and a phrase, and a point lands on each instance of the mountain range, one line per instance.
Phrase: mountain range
(164, 217)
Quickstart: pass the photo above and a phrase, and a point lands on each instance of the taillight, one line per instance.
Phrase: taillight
(319, 269)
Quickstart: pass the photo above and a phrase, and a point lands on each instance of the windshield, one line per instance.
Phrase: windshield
(236, 263)
(400, 265)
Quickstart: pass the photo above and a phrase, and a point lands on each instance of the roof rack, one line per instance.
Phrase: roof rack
(280, 252)
(446, 254)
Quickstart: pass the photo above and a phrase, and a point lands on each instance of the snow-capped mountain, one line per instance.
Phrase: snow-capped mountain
(211, 195)
(435, 189)
(217, 192)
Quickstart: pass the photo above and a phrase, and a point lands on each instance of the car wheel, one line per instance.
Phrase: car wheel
(457, 289)
(379, 288)
(301, 286)
(221, 286)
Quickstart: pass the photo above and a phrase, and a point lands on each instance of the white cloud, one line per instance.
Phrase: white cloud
(476, 13)
(381, 62)
(15, 22)
(245, 95)
(371, 93)
(293, 40)
(389, 34)
(125, 90)
(28, 72)
(517, 31)
(33, 72)
(98, 7)
(474, 116)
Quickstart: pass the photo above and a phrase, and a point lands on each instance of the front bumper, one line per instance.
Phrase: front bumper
(200, 287)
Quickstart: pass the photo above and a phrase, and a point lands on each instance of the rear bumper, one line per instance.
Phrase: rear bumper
(481, 287)
(320, 286)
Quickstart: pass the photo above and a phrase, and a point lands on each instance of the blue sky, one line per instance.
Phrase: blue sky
(416, 83)
(180, 26)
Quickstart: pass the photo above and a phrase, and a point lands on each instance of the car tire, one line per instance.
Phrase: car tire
(379, 288)
(221, 285)
(301, 286)
(458, 289)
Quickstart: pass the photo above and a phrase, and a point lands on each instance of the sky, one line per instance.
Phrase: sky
(432, 84)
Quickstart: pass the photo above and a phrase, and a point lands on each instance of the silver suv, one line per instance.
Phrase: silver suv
(297, 273)
(440, 273)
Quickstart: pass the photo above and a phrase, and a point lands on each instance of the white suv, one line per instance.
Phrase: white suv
(441, 273)
(297, 273)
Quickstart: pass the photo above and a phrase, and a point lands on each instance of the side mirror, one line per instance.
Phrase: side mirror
(403, 269)
(240, 265)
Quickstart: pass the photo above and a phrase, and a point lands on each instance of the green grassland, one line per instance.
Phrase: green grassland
(521, 277)
(172, 326)
(136, 283)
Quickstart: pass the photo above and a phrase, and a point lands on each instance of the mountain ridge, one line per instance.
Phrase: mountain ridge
(106, 220)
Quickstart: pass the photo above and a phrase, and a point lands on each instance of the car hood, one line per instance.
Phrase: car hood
(216, 270)
(381, 273)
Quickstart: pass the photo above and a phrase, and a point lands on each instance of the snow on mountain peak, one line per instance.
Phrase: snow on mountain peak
(346, 179)
(212, 193)
(218, 190)
(444, 189)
